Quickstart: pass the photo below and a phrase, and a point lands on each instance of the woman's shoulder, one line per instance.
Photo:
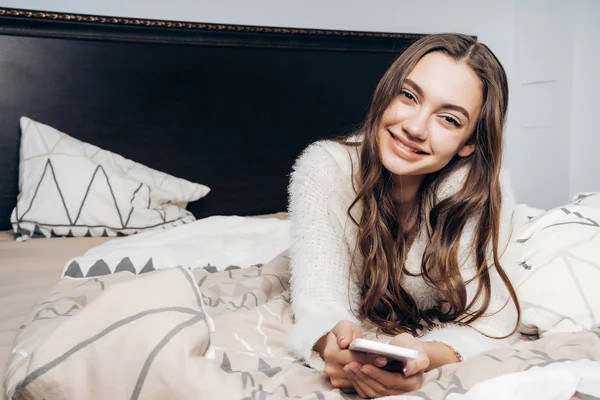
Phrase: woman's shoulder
(455, 182)
(327, 162)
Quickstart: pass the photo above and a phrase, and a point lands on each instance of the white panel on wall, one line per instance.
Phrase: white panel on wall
(585, 129)
(541, 93)
(546, 185)
(543, 29)
(540, 100)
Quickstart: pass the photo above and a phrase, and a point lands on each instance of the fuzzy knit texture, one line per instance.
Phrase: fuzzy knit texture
(323, 244)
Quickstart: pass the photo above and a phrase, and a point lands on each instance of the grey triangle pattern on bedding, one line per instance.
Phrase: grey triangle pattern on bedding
(101, 268)
(267, 369)
(226, 365)
(40, 230)
(74, 271)
(148, 267)
(573, 215)
(98, 269)
(125, 265)
(53, 312)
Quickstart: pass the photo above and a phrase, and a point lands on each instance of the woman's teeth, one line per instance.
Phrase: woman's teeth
(405, 147)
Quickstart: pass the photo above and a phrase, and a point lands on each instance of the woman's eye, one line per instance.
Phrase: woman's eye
(408, 95)
(452, 121)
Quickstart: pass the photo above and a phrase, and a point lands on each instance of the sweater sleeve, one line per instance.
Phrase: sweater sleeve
(320, 258)
(501, 315)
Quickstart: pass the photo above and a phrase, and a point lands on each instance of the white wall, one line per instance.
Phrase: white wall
(541, 101)
(585, 134)
(532, 38)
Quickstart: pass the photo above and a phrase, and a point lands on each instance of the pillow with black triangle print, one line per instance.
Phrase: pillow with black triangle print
(71, 188)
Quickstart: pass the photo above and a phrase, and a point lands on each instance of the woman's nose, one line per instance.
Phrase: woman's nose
(416, 126)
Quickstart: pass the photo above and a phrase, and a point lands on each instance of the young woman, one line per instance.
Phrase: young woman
(404, 226)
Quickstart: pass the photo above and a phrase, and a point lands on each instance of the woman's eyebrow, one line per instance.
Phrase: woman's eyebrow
(448, 106)
(456, 108)
(414, 85)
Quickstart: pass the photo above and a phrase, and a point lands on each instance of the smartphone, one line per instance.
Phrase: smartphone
(388, 350)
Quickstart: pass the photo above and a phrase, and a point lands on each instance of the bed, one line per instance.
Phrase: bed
(28, 272)
(199, 309)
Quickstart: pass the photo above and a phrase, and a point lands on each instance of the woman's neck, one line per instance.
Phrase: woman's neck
(407, 188)
(406, 196)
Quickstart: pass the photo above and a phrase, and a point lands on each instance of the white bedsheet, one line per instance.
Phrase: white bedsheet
(219, 241)
(557, 381)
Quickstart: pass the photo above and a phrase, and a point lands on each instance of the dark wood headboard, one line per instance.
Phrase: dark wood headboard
(227, 106)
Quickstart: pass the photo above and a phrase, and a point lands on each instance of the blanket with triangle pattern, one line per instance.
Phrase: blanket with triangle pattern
(207, 334)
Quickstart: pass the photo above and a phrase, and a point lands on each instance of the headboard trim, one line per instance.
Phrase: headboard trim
(19, 15)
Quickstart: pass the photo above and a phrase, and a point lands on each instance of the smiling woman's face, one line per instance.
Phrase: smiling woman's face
(433, 117)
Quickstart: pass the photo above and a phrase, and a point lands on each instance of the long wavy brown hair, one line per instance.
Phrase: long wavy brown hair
(383, 241)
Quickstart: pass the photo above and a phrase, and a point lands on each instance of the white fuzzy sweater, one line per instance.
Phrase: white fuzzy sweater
(323, 241)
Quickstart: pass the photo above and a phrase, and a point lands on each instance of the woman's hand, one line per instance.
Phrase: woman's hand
(370, 381)
(333, 348)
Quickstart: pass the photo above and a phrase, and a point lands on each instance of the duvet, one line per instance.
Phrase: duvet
(205, 334)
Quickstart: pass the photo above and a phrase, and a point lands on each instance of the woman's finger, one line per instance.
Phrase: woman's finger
(338, 377)
(410, 368)
(362, 388)
(413, 367)
(363, 358)
(369, 384)
(333, 353)
(341, 383)
(346, 332)
(373, 359)
(369, 391)
(393, 380)
(355, 384)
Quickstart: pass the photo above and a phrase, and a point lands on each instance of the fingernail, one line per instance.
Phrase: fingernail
(404, 370)
(380, 361)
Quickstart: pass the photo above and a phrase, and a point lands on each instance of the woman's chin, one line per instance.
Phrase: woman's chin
(397, 169)
(400, 166)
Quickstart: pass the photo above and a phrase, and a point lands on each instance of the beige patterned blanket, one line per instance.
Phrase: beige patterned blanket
(176, 334)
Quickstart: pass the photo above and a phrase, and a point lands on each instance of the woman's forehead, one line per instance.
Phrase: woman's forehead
(445, 80)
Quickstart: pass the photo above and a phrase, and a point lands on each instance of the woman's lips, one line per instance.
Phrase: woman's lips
(404, 151)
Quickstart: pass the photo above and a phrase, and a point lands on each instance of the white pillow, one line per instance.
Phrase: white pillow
(558, 277)
(71, 188)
